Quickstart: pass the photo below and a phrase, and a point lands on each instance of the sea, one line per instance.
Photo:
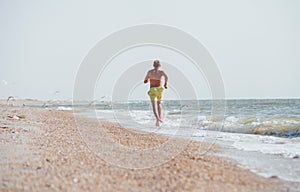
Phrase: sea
(275, 117)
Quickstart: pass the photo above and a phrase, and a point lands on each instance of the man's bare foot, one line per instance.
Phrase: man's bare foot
(157, 123)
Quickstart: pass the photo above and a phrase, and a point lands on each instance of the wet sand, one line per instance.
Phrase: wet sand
(42, 150)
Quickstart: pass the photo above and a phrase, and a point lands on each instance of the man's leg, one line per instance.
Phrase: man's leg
(159, 110)
(155, 112)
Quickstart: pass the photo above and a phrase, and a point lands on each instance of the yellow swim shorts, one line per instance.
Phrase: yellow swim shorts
(155, 93)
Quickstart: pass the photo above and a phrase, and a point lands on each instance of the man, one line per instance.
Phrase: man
(156, 91)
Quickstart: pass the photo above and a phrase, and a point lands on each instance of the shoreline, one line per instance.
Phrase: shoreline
(43, 151)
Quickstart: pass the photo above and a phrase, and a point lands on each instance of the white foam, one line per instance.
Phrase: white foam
(64, 108)
(269, 145)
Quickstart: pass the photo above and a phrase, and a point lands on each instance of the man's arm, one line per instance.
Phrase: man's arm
(146, 78)
(166, 80)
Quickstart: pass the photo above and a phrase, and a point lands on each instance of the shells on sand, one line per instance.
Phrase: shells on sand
(16, 117)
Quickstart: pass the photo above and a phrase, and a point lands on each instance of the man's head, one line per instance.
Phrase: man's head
(156, 64)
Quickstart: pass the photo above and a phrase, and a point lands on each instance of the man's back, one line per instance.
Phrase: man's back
(155, 74)
(155, 77)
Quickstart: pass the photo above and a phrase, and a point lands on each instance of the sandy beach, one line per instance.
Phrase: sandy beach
(42, 150)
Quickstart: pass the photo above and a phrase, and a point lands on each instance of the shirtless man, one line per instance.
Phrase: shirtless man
(156, 90)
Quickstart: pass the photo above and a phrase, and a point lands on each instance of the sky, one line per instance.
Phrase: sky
(255, 44)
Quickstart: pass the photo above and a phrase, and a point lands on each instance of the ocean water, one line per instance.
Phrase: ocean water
(276, 117)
